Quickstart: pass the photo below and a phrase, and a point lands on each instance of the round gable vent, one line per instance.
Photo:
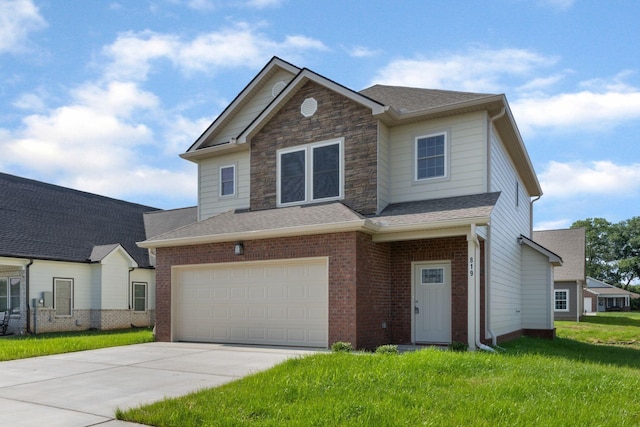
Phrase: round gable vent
(277, 88)
(309, 107)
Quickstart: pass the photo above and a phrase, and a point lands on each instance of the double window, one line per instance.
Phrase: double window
(312, 172)
(139, 296)
(561, 300)
(430, 153)
(10, 294)
(63, 297)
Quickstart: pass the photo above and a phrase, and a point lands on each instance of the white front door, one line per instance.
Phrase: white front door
(432, 302)
(587, 305)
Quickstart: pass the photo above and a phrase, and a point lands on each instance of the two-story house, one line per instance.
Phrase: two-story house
(390, 215)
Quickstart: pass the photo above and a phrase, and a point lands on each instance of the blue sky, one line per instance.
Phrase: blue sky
(103, 96)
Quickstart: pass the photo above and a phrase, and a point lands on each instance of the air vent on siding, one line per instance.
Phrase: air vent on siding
(309, 107)
(277, 88)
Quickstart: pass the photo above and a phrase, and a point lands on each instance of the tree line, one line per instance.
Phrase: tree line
(613, 251)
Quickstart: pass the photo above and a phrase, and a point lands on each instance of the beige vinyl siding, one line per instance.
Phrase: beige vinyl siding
(536, 290)
(147, 276)
(384, 176)
(508, 222)
(250, 111)
(114, 282)
(465, 165)
(41, 275)
(210, 203)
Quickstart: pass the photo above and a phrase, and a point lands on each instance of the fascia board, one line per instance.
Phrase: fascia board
(239, 99)
(303, 77)
(336, 227)
(123, 251)
(427, 230)
(14, 262)
(230, 147)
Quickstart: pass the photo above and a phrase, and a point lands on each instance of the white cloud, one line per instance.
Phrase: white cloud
(585, 109)
(18, 18)
(362, 52)
(598, 178)
(243, 45)
(478, 70)
(261, 4)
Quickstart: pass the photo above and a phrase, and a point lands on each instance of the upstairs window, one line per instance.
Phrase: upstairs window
(431, 156)
(311, 172)
(228, 181)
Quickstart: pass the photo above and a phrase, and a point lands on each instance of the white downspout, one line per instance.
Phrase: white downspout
(474, 291)
(487, 245)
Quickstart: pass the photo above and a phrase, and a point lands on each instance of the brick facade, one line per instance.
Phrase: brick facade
(336, 117)
(45, 320)
(369, 283)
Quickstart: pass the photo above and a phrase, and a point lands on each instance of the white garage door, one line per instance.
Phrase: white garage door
(275, 303)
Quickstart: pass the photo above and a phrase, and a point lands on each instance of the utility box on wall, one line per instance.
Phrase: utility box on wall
(47, 299)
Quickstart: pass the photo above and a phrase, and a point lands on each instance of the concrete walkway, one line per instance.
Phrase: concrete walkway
(85, 388)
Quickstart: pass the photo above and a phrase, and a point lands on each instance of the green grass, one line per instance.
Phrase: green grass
(567, 382)
(20, 347)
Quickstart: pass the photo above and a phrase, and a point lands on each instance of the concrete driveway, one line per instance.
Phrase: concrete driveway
(85, 388)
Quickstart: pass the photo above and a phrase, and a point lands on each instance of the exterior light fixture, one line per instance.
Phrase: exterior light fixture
(239, 249)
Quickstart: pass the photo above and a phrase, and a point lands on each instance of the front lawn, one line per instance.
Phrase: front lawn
(570, 382)
(20, 347)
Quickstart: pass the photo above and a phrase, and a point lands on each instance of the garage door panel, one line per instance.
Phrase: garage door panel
(281, 303)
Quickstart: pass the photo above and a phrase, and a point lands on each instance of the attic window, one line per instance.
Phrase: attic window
(309, 107)
(277, 88)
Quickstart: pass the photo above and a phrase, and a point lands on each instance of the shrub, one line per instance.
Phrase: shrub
(341, 347)
(387, 349)
(458, 346)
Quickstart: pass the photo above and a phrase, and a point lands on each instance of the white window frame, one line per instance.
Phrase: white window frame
(134, 298)
(55, 296)
(555, 300)
(417, 179)
(220, 182)
(9, 279)
(308, 150)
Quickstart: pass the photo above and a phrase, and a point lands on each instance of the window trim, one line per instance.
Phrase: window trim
(308, 150)
(55, 298)
(13, 311)
(235, 180)
(555, 300)
(133, 297)
(447, 156)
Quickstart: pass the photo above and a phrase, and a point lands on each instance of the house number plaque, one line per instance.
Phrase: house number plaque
(471, 266)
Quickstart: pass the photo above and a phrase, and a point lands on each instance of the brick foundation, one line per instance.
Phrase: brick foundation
(89, 319)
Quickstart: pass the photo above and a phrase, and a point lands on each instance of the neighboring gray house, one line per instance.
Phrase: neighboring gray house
(569, 278)
(600, 296)
(72, 257)
(390, 215)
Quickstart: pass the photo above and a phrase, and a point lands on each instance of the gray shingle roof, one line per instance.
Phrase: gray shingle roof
(445, 209)
(158, 222)
(233, 222)
(45, 221)
(570, 245)
(409, 99)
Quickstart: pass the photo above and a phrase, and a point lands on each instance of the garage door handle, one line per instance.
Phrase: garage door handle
(417, 309)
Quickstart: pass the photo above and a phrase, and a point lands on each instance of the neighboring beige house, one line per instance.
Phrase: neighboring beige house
(69, 259)
(569, 278)
(600, 296)
(390, 215)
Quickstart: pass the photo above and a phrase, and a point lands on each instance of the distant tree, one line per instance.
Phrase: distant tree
(599, 246)
(612, 250)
